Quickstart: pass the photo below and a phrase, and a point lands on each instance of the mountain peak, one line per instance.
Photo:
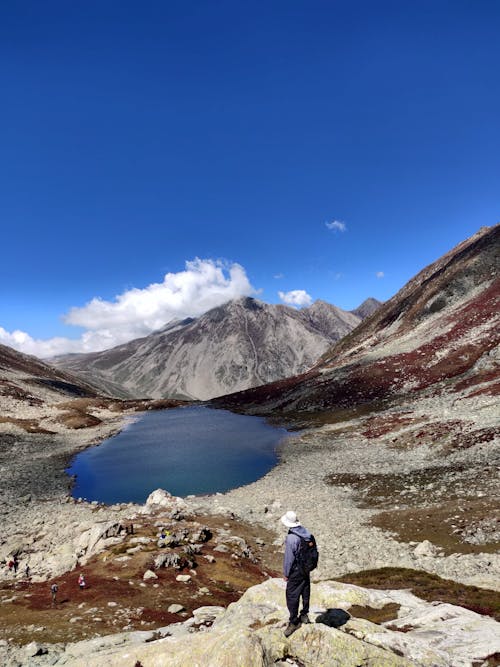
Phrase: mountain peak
(239, 344)
(438, 331)
(369, 306)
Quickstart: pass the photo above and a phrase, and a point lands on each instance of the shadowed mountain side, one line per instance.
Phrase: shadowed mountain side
(442, 327)
(24, 376)
(240, 344)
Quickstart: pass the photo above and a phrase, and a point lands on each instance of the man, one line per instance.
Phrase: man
(298, 582)
(53, 591)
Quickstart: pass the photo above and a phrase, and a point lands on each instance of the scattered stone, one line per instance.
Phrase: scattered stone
(425, 549)
(140, 540)
(175, 608)
(149, 574)
(222, 548)
(167, 560)
(184, 578)
(33, 649)
(134, 550)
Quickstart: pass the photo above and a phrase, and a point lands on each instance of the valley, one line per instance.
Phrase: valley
(395, 470)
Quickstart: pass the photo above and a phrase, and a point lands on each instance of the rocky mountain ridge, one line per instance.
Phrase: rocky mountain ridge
(29, 388)
(442, 329)
(241, 344)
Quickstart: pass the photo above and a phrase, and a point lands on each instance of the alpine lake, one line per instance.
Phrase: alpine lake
(188, 450)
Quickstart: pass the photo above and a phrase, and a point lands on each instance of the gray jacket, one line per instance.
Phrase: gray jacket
(292, 545)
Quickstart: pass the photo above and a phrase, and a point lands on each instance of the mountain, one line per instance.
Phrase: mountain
(29, 388)
(439, 334)
(367, 308)
(25, 377)
(241, 344)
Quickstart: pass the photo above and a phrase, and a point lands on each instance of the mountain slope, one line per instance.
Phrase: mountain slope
(25, 376)
(240, 344)
(29, 390)
(367, 308)
(442, 327)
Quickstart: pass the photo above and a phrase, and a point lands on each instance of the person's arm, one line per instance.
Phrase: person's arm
(291, 544)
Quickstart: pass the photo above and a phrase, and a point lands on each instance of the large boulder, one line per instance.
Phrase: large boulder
(162, 498)
(249, 633)
(87, 543)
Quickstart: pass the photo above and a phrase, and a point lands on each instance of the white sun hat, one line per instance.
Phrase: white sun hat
(290, 520)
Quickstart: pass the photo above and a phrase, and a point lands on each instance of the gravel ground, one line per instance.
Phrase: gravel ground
(347, 542)
(35, 490)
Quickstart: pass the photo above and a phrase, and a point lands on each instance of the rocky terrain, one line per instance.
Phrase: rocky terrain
(392, 462)
(241, 344)
(440, 331)
(403, 412)
(249, 633)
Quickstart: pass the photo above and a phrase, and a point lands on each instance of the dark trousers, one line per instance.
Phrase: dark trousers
(298, 586)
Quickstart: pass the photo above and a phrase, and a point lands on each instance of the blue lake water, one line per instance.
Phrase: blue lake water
(192, 450)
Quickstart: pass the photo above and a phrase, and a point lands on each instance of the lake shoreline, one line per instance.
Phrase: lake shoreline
(35, 490)
(228, 451)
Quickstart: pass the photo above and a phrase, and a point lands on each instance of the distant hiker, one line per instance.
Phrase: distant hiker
(27, 571)
(10, 564)
(297, 565)
(16, 564)
(53, 591)
(81, 581)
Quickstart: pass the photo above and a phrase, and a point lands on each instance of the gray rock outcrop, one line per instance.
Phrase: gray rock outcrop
(249, 633)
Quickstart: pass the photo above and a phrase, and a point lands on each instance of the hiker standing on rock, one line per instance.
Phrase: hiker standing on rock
(81, 581)
(301, 556)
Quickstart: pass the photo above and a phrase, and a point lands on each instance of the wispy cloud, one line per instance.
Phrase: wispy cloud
(296, 297)
(336, 225)
(380, 274)
(203, 284)
(278, 276)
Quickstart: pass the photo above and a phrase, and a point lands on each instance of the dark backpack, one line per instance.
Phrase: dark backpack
(307, 555)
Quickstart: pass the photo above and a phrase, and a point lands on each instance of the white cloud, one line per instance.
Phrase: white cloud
(278, 276)
(203, 284)
(380, 274)
(336, 225)
(296, 297)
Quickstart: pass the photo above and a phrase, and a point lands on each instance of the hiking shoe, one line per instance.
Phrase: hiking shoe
(304, 618)
(290, 629)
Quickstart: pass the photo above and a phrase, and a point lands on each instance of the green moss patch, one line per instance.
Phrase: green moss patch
(429, 587)
(386, 613)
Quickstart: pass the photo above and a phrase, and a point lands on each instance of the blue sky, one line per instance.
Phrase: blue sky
(212, 142)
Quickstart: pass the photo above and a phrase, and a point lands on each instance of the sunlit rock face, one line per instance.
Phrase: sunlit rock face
(243, 343)
(249, 633)
(440, 333)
